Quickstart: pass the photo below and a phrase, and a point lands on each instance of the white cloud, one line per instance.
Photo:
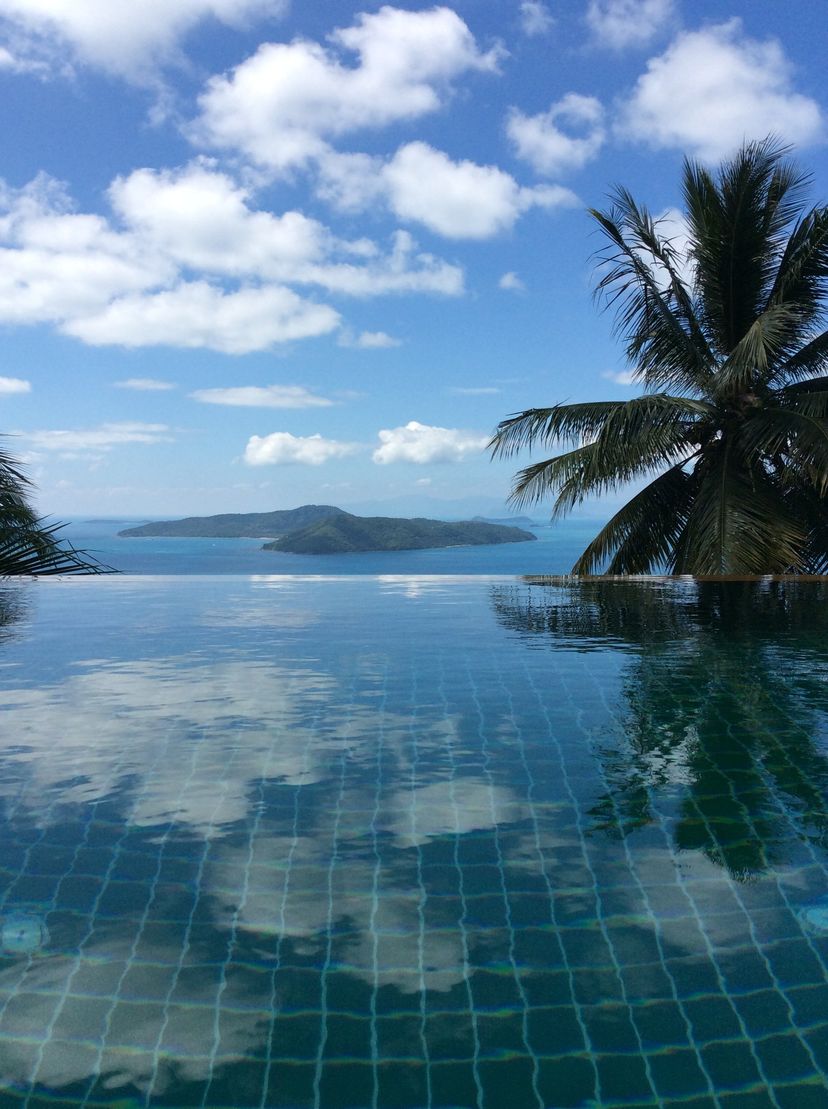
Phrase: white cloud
(102, 438)
(12, 385)
(622, 377)
(535, 18)
(197, 314)
(367, 340)
(281, 449)
(55, 264)
(262, 396)
(511, 281)
(137, 282)
(203, 220)
(474, 391)
(403, 269)
(281, 106)
(144, 384)
(350, 182)
(714, 88)
(547, 146)
(21, 63)
(128, 39)
(459, 200)
(421, 443)
(620, 23)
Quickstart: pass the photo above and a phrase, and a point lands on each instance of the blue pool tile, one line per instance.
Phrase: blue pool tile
(465, 850)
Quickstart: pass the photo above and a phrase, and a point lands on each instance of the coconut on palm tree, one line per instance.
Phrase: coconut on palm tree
(725, 331)
(28, 544)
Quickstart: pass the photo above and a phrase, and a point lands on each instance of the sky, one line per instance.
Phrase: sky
(259, 253)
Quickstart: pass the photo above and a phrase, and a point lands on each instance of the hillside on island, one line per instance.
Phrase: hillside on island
(237, 525)
(507, 521)
(344, 533)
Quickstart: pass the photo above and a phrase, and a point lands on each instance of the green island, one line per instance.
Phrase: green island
(344, 533)
(236, 525)
(324, 529)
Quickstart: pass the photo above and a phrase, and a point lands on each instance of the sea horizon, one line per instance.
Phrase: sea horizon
(555, 549)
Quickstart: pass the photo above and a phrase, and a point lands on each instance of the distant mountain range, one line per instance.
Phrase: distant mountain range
(324, 529)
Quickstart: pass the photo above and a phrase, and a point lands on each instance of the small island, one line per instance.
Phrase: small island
(235, 525)
(345, 534)
(507, 521)
(324, 529)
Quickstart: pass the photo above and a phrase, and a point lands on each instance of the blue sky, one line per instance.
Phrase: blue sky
(258, 254)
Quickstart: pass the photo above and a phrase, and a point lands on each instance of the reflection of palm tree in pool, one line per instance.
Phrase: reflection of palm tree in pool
(13, 605)
(723, 698)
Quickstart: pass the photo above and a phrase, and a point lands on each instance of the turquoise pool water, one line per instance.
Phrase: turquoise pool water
(413, 842)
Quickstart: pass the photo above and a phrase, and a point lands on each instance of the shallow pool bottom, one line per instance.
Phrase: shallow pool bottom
(413, 842)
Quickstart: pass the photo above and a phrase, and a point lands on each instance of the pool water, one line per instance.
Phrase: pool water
(413, 842)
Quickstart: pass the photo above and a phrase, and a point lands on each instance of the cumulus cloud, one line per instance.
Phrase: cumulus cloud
(11, 385)
(621, 23)
(620, 377)
(134, 279)
(262, 396)
(196, 314)
(512, 282)
(535, 18)
(202, 219)
(126, 39)
(281, 449)
(55, 263)
(421, 444)
(102, 438)
(458, 200)
(367, 340)
(144, 385)
(565, 137)
(714, 88)
(282, 106)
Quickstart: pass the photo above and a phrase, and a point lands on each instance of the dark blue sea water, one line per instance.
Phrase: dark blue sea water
(555, 551)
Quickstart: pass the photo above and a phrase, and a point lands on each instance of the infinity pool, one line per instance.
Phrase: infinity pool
(413, 842)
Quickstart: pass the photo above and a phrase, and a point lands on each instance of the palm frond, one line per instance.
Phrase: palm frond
(797, 438)
(36, 551)
(545, 426)
(636, 437)
(29, 545)
(739, 522)
(811, 401)
(808, 360)
(641, 536)
(664, 341)
(802, 275)
(812, 509)
(752, 361)
(612, 419)
(736, 226)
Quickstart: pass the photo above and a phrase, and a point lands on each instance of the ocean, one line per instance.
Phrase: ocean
(555, 551)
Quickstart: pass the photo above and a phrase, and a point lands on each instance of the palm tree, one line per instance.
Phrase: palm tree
(726, 335)
(29, 544)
